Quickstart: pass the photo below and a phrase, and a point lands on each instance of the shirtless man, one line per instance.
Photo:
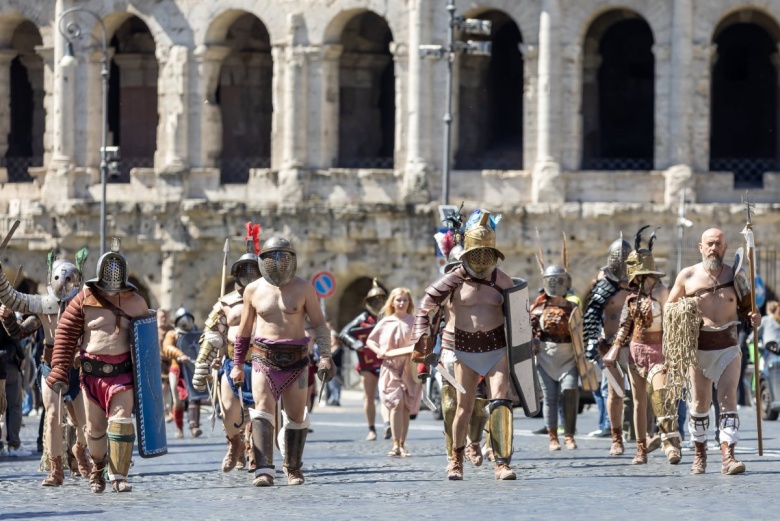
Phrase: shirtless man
(475, 326)
(44, 310)
(273, 321)
(722, 300)
(98, 320)
(602, 320)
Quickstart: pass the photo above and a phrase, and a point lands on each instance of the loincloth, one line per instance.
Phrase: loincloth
(643, 357)
(101, 389)
(281, 361)
(712, 363)
(245, 389)
(481, 363)
(556, 359)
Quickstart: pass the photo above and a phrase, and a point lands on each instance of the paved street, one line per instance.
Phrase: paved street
(349, 478)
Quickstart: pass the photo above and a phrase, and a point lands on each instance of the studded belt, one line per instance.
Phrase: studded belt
(480, 341)
(97, 368)
(280, 356)
(648, 337)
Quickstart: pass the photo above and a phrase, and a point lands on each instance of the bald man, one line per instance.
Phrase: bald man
(722, 301)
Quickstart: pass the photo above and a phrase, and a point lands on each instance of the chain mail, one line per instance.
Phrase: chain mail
(278, 267)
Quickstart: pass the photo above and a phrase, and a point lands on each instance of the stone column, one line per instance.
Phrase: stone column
(329, 104)
(173, 95)
(6, 57)
(661, 139)
(293, 108)
(420, 108)
(703, 60)
(547, 182)
(208, 60)
(680, 85)
(400, 52)
(530, 54)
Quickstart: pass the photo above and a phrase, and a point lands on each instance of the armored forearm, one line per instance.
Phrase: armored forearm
(626, 326)
(594, 312)
(21, 302)
(435, 296)
(214, 336)
(322, 339)
(346, 332)
(19, 329)
(66, 338)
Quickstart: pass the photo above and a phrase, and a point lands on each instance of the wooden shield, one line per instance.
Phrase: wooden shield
(588, 371)
(149, 403)
(519, 336)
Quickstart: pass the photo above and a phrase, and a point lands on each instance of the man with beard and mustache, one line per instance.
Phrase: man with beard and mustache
(722, 297)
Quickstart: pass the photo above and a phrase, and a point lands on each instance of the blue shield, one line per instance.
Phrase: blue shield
(189, 343)
(149, 403)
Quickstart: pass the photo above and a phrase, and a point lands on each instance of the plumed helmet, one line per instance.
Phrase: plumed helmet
(64, 280)
(641, 260)
(375, 298)
(480, 254)
(616, 259)
(112, 271)
(556, 281)
(183, 320)
(246, 269)
(278, 261)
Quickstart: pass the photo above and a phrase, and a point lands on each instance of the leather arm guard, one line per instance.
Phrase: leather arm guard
(169, 350)
(240, 348)
(594, 315)
(69, 331)
(345, 335)
(623, 333)
(427, 318)
(19, 329)
(322, 339)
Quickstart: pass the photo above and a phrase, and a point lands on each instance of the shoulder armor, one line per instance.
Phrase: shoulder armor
(49, 305)
(231, 299)
(742, 284)
(602, 291)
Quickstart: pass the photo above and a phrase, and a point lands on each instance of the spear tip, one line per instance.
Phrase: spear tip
(226, 249)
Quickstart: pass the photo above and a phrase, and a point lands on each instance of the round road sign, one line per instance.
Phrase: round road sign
(324, 284)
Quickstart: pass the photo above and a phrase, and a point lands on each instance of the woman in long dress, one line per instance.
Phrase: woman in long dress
(399, 389)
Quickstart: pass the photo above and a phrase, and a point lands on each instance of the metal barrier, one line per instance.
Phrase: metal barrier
(17, 167)
(748, 172)
(235, 170)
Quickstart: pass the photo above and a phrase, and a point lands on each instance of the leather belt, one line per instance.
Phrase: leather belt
(648, 337)
(281, 356)
(714, 340)
(94, 367)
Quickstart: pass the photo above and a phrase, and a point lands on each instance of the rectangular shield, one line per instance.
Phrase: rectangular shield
(149, 402)
(588, 371)
(522, 366)
(366, 358)
(189, 343)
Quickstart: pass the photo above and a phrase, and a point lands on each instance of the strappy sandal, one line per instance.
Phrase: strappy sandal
(404, 453)
(395, 452)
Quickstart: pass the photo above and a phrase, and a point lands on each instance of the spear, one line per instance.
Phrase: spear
(751, 255)
(214, 392)
(225, 250)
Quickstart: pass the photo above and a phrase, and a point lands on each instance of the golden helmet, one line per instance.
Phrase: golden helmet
(641, 260)
(480, 236)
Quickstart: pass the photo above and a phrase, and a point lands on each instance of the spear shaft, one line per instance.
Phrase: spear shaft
(751, 255)
(225, 250)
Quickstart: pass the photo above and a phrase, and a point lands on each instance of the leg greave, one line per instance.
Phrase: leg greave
(501, 430)
(698, 423)
(262, 440)
(479, 417)
(294, 442)
(729, 427)
(121, 437)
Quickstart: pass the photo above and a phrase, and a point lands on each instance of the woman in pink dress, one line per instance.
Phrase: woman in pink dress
(399, 389)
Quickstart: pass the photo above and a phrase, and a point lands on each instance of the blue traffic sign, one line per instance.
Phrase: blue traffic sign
(324, 284)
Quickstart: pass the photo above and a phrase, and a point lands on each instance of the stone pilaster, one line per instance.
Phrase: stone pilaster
(547, 182)
(208, 60)
(400, 52)
(173, 106)
(703, 60)
(530, 54)
(681, 100)
(329, 140)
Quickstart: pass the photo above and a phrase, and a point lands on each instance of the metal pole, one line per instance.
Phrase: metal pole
(450, 55)
(680, 231)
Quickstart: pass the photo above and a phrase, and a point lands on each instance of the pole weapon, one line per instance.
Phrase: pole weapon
(225, 250)
(751, 256)
(214, 392)
(10, 234)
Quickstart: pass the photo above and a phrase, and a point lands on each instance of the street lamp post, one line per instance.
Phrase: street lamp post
(481, 48)
(71, 30)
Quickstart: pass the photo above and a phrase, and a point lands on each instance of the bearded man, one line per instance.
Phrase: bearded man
(722, 297)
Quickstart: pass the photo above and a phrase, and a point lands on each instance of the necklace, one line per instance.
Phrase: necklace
(715, 279)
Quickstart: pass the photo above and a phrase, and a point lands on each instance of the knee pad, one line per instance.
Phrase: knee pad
(729, 427)
(698, 423)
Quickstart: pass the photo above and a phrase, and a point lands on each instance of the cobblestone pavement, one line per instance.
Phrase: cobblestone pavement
(349, 478)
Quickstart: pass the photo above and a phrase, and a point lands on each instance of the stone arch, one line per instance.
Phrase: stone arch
(744, 105)
(366, 92)
(244, 93)
(22, 117)
(490, 99)
(351, 300)
(132, 94)
(618, 93)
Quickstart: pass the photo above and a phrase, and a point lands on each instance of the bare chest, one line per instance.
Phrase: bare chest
(272, 303)
(471, 294)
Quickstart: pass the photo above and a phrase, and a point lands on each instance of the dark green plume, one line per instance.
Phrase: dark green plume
(81, 258)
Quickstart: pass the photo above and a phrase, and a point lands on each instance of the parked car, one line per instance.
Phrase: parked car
(769, 381)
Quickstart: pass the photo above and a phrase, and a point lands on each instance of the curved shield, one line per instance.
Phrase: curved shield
(522, 365)
(189, 343)
(588, 371)
(149, 402)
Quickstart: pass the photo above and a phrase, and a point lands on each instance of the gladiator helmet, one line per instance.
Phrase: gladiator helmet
(641, 260)
(556, 281)
(480, 255)
(376, 298)
(278, 261)
(246, 269)
(183, 320)
(615, 268)
(112, 271)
